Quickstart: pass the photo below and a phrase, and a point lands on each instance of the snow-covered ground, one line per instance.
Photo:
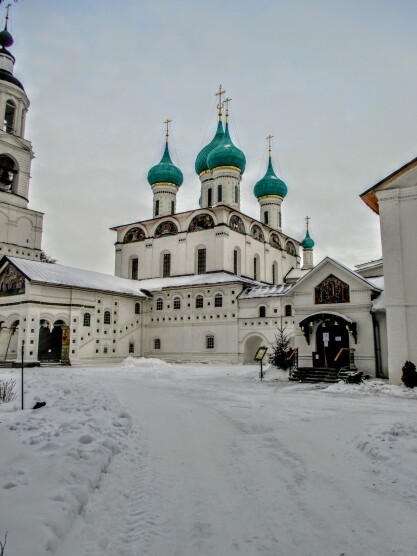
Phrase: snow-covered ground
(148, 458)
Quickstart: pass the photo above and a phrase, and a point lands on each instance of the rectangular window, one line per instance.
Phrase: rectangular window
(201, 261)
(235, 255)
(172, 207)
(210, 342)
(266, 217)
(255, 268)
(236, 194)
(209, 197)
(157, 343)
(219, 193)
(134, 269)
(273, 274)
(131, 347)
(157, 207)
(166, 270)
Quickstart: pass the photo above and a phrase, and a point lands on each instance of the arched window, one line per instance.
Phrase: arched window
(274, 241)
(201, 261)
(199, 301)
(218, 300)
(106, 317)
(157, 343)
(177, 303)
(256, 268)
(262, 311)
(87, 319)
(137, 308)
(8, 173)
(159, 304)
(134, 268)
(288, 311)
(275, 272)
(219, 193)
(210, 342)
(166, 265)
(9, 115)
(131, 347)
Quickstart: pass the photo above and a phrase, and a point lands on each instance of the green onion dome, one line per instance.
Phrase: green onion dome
(201, 160)
(270, 184)
(226, 154)
(307, 242)
(165, 171)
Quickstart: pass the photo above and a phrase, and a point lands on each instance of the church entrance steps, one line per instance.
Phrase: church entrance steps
(315, 374)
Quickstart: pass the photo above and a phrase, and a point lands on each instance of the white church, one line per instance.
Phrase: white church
(210, 284)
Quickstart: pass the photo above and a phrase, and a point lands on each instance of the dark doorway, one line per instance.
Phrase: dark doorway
(50, 341)
(331, 337)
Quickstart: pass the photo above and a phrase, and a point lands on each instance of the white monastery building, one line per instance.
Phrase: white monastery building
(210, 284)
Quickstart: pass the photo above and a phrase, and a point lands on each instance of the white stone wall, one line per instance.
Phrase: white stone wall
(398, 220)
(166, 194)
(271, 205)
(220, 242)
(20, 231)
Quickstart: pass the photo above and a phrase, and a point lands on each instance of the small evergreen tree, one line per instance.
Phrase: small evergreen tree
(281, 350)
(409, 375)
(45, 258)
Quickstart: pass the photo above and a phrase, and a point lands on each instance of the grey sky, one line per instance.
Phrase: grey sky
(334, 81)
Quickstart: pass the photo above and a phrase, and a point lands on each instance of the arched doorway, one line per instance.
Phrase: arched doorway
(252, 344)
(50, 345)
(331, 338)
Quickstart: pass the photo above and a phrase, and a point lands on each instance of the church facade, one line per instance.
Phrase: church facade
(210, 284)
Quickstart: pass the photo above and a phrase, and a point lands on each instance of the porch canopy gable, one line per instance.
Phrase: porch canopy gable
(327, 316)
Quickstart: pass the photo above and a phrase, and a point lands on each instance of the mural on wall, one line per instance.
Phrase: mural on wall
(332, 290)
(165, 229)
(290, 248)
(134, 234)
(201, 222)
(274, 241)
(11, 282)
(257, 233)
(236, 224)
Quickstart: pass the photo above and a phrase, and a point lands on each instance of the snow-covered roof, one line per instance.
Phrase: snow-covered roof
(156, 284)
(295, 274)
(265, 291)
(59, 275)
(369, 264)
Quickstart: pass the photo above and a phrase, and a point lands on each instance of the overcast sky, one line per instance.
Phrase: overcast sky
(334, 81)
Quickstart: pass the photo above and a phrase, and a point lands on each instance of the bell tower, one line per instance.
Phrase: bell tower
(20, 227)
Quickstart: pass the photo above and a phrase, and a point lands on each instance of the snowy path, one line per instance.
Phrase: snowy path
(223, 466)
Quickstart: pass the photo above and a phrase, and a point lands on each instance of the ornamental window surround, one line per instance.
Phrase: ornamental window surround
(137, 308)
(177, 303)
(199, 301)
(106, 317)
(159, 304)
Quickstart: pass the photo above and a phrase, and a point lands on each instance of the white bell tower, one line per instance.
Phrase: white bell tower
(20, 227)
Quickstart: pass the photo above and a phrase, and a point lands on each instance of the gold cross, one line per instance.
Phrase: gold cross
(220, 104)
(167, 122)
(269, 139)
(307, 221)
(226, 101)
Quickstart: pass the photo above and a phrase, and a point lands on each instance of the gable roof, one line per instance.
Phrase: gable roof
(369, 196)
(59, 275)
(340, 266)
(258, 291)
